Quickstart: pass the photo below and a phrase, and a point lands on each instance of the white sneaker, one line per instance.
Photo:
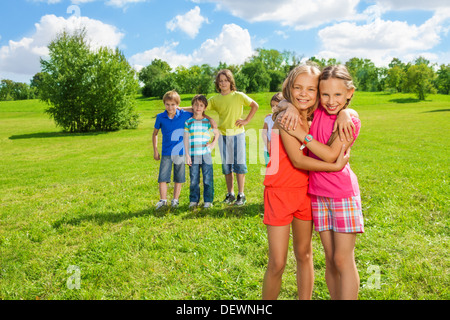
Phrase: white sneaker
(192, 205)
(175, 203)
(207, 205)
(161, 203)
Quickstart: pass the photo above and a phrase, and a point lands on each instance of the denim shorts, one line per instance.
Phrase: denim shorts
(165, 169)
(233, 153)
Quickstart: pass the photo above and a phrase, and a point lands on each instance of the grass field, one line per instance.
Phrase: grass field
(84, 202)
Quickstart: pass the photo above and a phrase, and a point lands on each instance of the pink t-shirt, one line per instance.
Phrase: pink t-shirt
(341, 184)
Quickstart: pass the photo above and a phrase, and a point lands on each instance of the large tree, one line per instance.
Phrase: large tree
(88, 90)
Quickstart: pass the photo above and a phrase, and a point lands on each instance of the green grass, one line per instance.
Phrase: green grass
(87, 200)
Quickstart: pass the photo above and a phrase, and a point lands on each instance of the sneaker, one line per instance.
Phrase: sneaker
(161, 203)
(240, 200)
(175, 203)
(207, 205)
(229, 199)
(192, 205)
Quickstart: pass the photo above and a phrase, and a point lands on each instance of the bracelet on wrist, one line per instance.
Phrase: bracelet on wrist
(308, 138)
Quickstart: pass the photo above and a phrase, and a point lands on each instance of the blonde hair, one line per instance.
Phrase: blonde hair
(288, 84)
(338, 72)
(227, 73)
(172, 95)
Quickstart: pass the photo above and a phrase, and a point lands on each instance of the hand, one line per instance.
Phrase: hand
(343, 158)
(211, 145)
(156, 156)
(188, 160)
(291, 117)
(345, 125)
(240, 123)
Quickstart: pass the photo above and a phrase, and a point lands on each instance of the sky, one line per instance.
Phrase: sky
(194, 32)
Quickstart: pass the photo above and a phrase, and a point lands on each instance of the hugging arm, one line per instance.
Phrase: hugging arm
(301, 161)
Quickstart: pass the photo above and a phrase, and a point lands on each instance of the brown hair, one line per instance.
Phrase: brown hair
(200, 98)
(288, 84)
(338, 72)
(172, 95)
(277, 97)
(227, 73)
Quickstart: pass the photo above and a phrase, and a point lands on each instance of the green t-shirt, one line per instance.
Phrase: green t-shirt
(230, 108)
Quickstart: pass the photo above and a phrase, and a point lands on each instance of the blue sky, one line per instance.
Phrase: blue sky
(189, 32)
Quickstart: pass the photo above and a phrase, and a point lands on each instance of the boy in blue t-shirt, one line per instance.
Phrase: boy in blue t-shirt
(171, 123)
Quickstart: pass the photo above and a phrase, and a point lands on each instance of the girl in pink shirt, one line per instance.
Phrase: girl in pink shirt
(335, 197)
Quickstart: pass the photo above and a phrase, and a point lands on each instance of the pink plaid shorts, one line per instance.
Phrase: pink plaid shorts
(339, 215)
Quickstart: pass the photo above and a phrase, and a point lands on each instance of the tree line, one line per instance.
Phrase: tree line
(266, 70)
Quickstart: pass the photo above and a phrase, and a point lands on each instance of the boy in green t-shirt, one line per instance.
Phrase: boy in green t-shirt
(229, 105)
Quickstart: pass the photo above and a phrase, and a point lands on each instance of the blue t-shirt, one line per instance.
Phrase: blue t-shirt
(172, 131)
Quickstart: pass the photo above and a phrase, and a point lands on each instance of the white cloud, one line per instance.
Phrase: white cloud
(381, 40)
(413, 4)
(233, 46)
(122, 3)
(190, 23)
(166, 53)
(299, 14)
(22, 57)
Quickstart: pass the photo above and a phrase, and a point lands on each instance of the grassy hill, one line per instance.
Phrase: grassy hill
(85, 202)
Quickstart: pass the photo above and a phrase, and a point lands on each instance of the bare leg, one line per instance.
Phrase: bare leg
(240, 177)
(230, 182)
(344, 259)
(163, 190)
(177, 190)
(331, 273)
(278, 237)
(302, 235)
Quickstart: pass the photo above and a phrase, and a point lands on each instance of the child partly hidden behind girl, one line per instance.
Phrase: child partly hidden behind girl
(286, 199)
(335, 196)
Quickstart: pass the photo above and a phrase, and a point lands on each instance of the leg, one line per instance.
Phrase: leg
(179, 175)
(331, 274)
(194, 187)
(230, 182)
(165, 171)
(240, 161)
(278, 237)
(163, 190)
(177, 190)
(240, 177)
(344, 259)
(208, 180)
(302, 235)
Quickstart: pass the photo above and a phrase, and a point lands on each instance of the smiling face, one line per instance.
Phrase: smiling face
(171, 107)
(304, 91)
(334, 95)
(224, 84)
(198, 107)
